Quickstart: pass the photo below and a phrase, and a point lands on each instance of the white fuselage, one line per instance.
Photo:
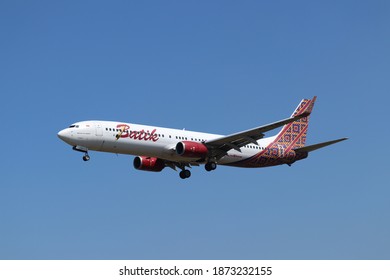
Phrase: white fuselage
(145, 140)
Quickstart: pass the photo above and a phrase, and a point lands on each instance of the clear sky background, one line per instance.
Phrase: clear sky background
(212, 66)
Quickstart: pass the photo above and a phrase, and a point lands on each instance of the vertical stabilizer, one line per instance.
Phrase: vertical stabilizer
(293, 135)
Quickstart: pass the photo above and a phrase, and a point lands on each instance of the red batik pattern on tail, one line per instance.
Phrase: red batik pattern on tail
(280, 151)
(293, 135)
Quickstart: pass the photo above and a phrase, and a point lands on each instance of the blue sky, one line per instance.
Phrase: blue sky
(213, 66)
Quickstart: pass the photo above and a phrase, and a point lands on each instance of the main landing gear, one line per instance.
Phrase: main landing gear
(185, 173)
(210, 166)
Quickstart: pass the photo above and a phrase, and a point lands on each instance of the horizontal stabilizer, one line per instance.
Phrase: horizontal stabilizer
(318, 146)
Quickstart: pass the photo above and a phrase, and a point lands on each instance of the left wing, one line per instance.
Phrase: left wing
(220, 146)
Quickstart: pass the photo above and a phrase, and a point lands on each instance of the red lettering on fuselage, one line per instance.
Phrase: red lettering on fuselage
(137, 135)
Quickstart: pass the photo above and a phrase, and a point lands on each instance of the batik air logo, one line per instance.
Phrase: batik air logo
(125, 132)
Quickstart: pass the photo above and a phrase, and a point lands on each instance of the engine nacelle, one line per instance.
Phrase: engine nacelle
(148, 163)
(191, 149)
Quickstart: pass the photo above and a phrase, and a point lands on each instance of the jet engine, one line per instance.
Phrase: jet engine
(191, 149)
(148, 163)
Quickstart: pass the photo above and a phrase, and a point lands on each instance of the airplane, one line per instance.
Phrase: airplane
(155, 147)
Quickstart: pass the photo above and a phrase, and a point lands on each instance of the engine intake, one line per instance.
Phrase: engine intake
(148, 164)
(191, 149)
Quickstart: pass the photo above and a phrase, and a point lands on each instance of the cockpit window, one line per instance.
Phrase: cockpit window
(73, 125)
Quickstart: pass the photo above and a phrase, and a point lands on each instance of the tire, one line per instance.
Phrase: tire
(86, 158)
(182, 174)
(210, 166)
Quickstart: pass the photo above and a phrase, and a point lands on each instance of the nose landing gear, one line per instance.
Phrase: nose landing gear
(86, 157)
(84, 150)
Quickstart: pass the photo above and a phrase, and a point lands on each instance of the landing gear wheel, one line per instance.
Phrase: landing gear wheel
(86, 158)
(210, 166)
(184, 174)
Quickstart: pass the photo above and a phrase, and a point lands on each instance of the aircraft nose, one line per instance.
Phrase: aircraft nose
(63, 135)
